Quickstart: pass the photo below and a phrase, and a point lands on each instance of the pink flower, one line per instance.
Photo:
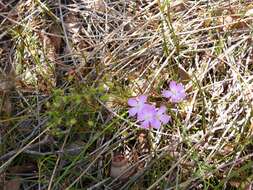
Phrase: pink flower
(160, 118)
(147, 116)
(150, 117)
(176, 92)
(137, 104)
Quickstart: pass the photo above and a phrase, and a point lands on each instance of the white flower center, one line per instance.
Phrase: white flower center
(174, 91)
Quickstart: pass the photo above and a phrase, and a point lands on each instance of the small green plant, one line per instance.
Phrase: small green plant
(75, 108)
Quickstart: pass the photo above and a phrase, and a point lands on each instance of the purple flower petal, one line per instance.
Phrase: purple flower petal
(180, 87)
(173, 84)
(140, 116)
(175, 99)
(166, 93)
(161, 110)
(165, 118)
(132, 102)
(156, 123)
(143, 98)
(132, 111)
(145, 124)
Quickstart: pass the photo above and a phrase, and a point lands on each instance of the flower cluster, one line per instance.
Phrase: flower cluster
(147, 114)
